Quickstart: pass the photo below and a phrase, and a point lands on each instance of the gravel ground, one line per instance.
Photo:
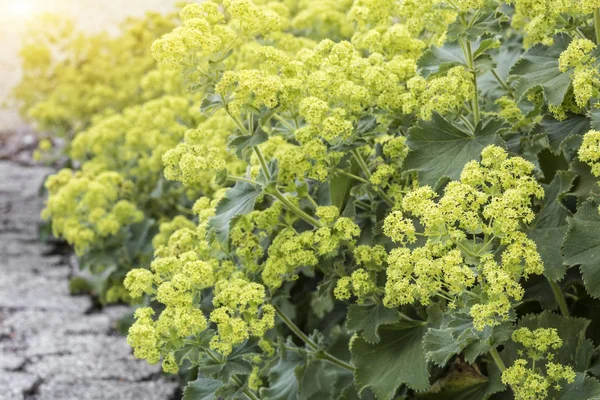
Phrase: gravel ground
(54, 346)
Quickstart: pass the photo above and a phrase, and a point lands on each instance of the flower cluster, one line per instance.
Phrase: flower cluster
(586, 79)
(70, 78)
(86, 208)
(476, 216)
(531, 383)
(589, 152)
(372, 175)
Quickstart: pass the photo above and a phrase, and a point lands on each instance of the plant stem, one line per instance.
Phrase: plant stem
(497, 360)
(365, 169)
(284, 122)
(240, 179)
(261, 160)
(358, 178)
(501, 81)
(294, 208)
(247, 392)
(597, 25)
(320, 353)
(471, 64)
(560, 298)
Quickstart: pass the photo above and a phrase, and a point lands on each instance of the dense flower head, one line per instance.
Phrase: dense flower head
(315, 159)
(589, 152)
(493, 198)
(530, 382)
(86, 207)
(70, 77)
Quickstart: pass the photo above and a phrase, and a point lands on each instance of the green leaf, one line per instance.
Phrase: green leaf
(318, 380)
(340, 185)
(483, 21)
(202, 389)
(586, 185)
(438, 149)
(441, 59)
(505, 58)
(550, 225)
(465, 382)
(235, 363)
(396, 360)
(243, 143)
(582, 246)
(594, 114)
(211, 103)
(583, 388)
(283, 384)
(238, 200)
(559, 131)
(538, 67)
(576, 350)
(368, 318)
(456, 333)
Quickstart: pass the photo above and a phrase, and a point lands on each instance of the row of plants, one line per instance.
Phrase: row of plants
(339, 199)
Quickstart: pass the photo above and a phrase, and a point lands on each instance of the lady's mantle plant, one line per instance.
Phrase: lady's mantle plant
(405, 207)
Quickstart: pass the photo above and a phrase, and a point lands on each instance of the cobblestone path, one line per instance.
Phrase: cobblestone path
(53, 346)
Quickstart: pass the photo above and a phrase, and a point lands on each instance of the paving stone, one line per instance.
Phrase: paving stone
(75, 368)
(13, 385)
(48, 343)
(105, 390)
(51, 348)
(11, 361)
(21, 289)
(28, 323)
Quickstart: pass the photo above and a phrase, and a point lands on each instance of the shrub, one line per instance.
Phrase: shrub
(405, 207)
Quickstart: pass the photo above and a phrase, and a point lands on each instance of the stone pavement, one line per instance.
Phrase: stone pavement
(54, 346)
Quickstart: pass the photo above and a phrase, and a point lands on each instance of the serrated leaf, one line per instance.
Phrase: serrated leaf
(583, 388)
(483, 21)
(283, 384)
(586, 184)
(456, 334)
(211, 103)
(505, 58)
(341, 185)
(550, 225)
(465, 382)
(367, 318)
(234, 364)
(438, 60)
(243, 143)
(238, 200)
(439, 149)
(397, 359)
(582, 246)
(538, 67)
(594, 115)
(202, 389)
(576, 350)
(441, 59)
(318, 380)
(559, 131)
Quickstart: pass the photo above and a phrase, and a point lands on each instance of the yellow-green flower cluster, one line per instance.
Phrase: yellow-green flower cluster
(585, 79)
(86, 208)
(438, 94)
(589, 152)
(531, 382)
(70, 77)
(492, 200)
(542, 19)
(290, 250)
